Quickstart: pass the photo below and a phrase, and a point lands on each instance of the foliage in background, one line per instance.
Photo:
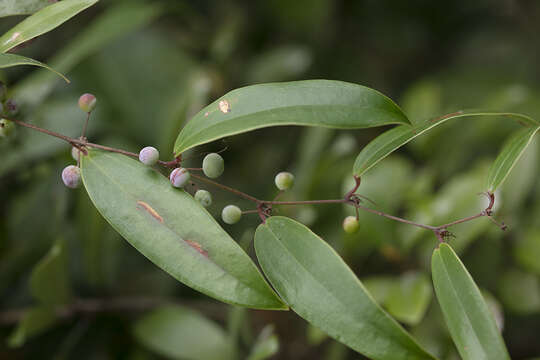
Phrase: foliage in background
(150, 77)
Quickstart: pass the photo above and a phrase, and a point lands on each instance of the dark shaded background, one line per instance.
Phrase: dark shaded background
(431, 57)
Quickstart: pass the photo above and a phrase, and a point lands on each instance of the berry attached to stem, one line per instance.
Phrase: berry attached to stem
(213, 165)
(203, 197)
(71, 176)
(179, 177)
(6, 128)
(149, 155)
(231, 214)
(87, 102)
(351, 224)
(284, 180)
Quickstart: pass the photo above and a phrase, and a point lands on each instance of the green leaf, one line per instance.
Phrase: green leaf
(180, 333)
(43, 21)
(393, 139)
(520, 292)
(508, 157)
(311, 277)
(171, 229)
(9, 60)
(409, 297)
(49, 281)
(34, 322)
(325, 103)
(113, 24)
(21, 7)
(469, 319)
(266, 346)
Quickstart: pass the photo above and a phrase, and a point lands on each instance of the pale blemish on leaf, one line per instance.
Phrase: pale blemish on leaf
(197, 247)
(206, 113)
(150, 210)
(224, 106)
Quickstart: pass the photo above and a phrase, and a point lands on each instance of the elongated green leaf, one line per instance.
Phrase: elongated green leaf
(116, 22)
(35, 321)
(325, 103)
(266, 346)
(21, 7)
(180, 333)
(508, 157)
(171, 229)
(43, 21)
(49, 282)
(311, 277)
(393, 139)
(409, 298)
(469, 320)
(9, 60)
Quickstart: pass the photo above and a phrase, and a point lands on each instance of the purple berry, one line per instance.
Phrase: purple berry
(87, 102)
(71, 176)
(149, 155)
(179, 177)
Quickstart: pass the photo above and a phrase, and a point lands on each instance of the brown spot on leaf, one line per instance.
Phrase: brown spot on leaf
(197, 247)
(150, 210)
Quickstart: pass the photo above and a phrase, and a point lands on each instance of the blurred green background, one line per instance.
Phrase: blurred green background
(152, 65)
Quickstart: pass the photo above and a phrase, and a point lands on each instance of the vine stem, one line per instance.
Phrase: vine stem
(264, 207)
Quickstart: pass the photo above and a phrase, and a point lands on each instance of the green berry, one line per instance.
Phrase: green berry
(71, 176)
(351, 224)
(203, 197)
(179, 177)
(6, 128)
(213, 165)
(231, 214)
(149, 155)
(87, 102)
(284, 180)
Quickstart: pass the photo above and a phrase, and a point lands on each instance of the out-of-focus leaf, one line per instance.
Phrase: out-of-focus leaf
(267, 345)
(422, 101)
(21, 7)
(180, 333)
(495, 307)
(510, 154)
(469, 320)
(409, 298)
(49, 281)
(325, 103)
(114, 23)
(173, 230)
(43, 21)
(406, 297)
(279, 64)
(34, 322)
(519, 292)
(314, 335)
(9, 60)
(316, 283)
(393, 139)
(527, 251)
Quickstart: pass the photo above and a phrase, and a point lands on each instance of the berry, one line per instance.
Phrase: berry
(87, 102)
(351, 224)
(6, 128)
(203, 197)
(179, 177)
(11, 108)
(149, 155)
(231, 214)
(71, 176)
(213, 165)
(284, 180)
